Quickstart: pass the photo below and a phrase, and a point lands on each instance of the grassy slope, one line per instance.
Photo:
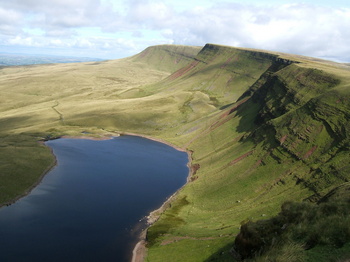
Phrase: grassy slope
(44, 101)
(289, 140)
(262, 131)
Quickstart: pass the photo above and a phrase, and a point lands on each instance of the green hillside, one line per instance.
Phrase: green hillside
(262, 128)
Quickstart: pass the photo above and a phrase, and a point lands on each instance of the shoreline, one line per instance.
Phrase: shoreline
(91, 137)
(140, 250)
(40, 178)
(154, 139)
(51, 166)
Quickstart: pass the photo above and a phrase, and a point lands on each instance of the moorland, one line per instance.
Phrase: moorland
(268, 136)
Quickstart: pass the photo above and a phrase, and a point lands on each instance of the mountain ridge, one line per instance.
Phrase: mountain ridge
(275, 149)
(263, 128)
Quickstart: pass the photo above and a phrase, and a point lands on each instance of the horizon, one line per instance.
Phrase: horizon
(112, 29)
(94, 59)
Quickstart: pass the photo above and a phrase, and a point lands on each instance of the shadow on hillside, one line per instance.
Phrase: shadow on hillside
(226, 106)
(13, 122)
(223, 254)
(257, 92)
(248, 113)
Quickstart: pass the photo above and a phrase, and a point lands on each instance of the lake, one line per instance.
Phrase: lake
(91, 205)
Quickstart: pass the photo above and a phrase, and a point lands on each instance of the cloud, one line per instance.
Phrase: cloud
(150, 13)
(294, 28)
(130, 26)
(9, 21)
(61, 13)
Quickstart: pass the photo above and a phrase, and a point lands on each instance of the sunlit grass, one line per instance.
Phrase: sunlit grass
(252, 154)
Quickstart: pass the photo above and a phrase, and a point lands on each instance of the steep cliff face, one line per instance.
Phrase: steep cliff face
(222, 73)
(278, 130)
(308, 119)
(290, 88)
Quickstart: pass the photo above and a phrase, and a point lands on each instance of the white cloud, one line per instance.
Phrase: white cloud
(84, 43)
(149, 12)
(27, 41)
(298, 28)
(57, 43)
(9, 21)
(123, 27)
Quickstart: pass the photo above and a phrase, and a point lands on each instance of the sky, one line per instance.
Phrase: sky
(111, 29)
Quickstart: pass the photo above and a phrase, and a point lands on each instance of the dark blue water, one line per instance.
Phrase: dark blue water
(89, 206)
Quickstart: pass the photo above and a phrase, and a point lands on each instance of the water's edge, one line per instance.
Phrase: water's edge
(52, 165)
(30, 189)
(139, 251)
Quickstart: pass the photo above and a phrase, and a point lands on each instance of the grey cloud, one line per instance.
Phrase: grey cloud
(9, 21)
(301, 29)
(62, 13)
(46, 6)
(294, 28)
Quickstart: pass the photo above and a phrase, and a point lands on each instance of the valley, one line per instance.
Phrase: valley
(262, 128)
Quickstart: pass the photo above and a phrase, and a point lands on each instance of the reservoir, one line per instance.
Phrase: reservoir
(91, 205)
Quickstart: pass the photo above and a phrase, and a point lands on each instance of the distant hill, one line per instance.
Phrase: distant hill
(7, 59)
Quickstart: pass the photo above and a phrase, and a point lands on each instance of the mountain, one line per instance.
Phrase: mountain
(261, 127)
